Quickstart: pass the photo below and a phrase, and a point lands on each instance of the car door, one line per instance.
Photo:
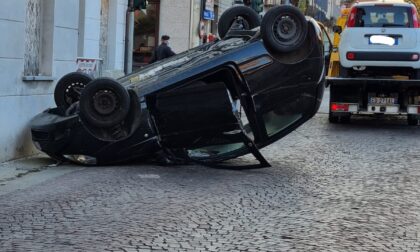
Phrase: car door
(286, 95)
(205, 119)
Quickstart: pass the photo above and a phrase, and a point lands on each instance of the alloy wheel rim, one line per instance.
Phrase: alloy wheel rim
(105, 102)
(73, 92)
(285, 29)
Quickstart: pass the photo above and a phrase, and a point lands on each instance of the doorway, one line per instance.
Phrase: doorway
(146, 33)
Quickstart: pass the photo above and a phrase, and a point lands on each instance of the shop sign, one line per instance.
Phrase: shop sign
(208, 13)
(88, 65)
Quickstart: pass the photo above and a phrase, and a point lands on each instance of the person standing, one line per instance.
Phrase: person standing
(163, 51)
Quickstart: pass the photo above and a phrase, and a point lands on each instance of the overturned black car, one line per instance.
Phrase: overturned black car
(219, 101)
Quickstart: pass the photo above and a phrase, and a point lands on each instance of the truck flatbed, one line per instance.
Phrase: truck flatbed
(374, 96)
(360, 81)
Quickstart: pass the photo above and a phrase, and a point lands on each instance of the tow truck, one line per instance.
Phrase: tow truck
(370, 94)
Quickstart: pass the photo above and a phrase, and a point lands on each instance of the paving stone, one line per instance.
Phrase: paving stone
(330, 188)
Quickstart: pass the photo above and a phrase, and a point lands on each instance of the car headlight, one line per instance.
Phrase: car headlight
(82, 159)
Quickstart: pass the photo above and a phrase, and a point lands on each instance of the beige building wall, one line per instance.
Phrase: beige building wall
(175, 22)
(180, 20)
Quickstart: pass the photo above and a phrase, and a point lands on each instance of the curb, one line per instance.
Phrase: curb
(18, 168)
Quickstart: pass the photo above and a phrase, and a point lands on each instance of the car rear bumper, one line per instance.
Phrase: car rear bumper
(384, 56)
(380, 59)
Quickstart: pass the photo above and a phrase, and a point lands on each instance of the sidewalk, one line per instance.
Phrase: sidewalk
(22, 173)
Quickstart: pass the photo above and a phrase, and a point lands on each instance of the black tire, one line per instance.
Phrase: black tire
(416, 74)
(284, 28)
(412, 120)
(104, 103)
(332, 119)
(345, 119)
(339, 119)
(250, 17)
(69, 88)
(343, 72)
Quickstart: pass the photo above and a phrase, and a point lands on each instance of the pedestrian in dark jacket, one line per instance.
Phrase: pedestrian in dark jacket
(163, 50)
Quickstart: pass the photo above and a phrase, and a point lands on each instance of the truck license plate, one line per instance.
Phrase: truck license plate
(382, 100)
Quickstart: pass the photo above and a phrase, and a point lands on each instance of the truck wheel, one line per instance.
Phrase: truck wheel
(104, 103)
(69, 88)
(332, 119)
(345, 119)
(284, 28)
(250, 19)
(412, 120)
(344, 72)
(339, 119)
(416, 74)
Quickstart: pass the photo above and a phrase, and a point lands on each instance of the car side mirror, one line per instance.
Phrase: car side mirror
(337, 29)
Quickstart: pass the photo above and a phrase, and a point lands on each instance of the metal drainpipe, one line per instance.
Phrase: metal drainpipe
(191, 24)
(129, 38)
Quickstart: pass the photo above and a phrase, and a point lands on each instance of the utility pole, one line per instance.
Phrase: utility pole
(129, 38)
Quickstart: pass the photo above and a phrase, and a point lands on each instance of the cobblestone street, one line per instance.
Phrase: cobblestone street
(331, 188)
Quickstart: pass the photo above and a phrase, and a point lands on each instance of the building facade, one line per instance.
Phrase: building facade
(40, 42)
(182, 20)
(176, 15)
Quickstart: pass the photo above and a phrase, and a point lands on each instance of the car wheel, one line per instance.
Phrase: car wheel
(69, 88)
(250, 19)
(284, 28)
(104, 103)
(412, 120)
